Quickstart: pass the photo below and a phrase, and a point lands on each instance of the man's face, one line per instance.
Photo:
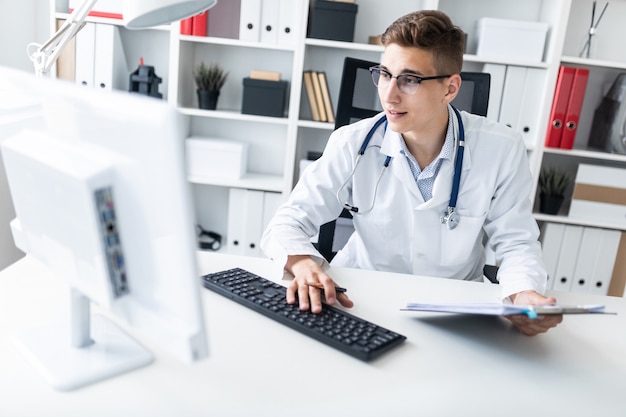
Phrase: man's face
(427, 107)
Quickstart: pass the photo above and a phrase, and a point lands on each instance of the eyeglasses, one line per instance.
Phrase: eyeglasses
(407, 83)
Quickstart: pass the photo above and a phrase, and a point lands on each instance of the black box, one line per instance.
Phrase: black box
(332, 20)
(263, 97)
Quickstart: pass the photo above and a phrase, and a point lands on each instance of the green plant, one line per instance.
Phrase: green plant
(553, 182)
(209, 77)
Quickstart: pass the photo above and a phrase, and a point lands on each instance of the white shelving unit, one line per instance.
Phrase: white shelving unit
(277, 144)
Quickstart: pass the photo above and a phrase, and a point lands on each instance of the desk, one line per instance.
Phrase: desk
(449, 366)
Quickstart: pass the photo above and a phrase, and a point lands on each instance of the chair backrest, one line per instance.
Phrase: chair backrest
(358, 99)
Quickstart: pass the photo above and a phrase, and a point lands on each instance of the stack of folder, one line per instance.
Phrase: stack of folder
(566, 106)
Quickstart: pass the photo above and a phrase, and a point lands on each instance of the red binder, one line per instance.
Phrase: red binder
(559, 106)
(575, 104)
(200, 23)
(186, 26)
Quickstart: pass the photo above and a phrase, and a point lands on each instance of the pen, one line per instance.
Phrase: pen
(321, 286)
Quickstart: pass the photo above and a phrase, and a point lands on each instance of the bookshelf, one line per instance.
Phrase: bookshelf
(277, 144)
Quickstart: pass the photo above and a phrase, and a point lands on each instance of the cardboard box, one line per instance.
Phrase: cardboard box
(216, 158)
(332, 20)
(264, 98)
(511, 39)
(600, 194)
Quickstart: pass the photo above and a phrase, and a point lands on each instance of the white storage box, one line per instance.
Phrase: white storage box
(600, 194)
(511, 39)
(216, 158)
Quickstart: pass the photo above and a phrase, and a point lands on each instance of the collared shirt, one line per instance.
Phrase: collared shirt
(425, 179)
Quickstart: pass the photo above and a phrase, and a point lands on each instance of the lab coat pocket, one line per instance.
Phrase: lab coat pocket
(461, 244)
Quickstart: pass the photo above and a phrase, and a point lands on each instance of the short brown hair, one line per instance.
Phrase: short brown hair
(433, 31)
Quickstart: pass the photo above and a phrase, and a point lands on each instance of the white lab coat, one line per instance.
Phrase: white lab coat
(402, 233)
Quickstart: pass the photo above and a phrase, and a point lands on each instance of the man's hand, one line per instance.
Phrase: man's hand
(307, 274)
(542, 323)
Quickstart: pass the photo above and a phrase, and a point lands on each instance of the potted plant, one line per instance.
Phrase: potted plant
(552, 185)
(209, 81)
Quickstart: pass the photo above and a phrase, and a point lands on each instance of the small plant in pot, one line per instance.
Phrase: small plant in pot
(552, 185)
(209, 81)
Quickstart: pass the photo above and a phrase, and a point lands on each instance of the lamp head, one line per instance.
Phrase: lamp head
(139, 14)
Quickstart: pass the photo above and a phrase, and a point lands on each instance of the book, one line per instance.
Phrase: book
(317, 88)
(328, 105)
(497, 309)
(200, 24)
(310, 94)
(265, 75)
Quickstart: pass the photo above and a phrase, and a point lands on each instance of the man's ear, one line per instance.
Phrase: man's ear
(453, 84)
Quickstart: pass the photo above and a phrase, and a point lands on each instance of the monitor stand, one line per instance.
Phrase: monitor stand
(86, 350)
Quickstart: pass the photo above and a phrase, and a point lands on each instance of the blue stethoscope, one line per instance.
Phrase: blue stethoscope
(449, 217)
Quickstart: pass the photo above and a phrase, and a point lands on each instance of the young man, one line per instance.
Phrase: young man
(401, 188)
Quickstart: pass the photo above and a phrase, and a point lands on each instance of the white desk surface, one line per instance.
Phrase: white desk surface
(449, 366)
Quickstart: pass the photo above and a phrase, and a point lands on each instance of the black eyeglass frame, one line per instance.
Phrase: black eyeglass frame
(377, 69)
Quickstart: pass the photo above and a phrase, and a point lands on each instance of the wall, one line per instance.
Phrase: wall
(21, 22)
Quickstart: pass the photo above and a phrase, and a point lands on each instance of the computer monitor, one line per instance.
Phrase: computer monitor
(102, 200)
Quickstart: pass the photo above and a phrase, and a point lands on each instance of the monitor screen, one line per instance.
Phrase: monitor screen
(101, 199)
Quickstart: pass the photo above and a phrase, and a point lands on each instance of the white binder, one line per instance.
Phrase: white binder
(496, 87)
(567, 258)
(245, 217)
(521, 99)
(588, 254)
(271, 202)
(85, 55)
(269, 21)
(250, 20)
(110, 70)
(288, 19)
(605, 261)
(528, 122)
(551, 239)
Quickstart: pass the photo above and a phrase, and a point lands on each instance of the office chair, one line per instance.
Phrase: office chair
(358, 100)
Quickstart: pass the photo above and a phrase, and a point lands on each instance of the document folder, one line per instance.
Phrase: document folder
(495, 309)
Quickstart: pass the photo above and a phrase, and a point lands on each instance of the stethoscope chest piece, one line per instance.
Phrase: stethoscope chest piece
(451, 218)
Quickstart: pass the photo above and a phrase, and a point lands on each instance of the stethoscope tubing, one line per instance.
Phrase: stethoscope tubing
(449, 217)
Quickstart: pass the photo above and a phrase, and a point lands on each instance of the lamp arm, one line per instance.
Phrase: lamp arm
(45, 55)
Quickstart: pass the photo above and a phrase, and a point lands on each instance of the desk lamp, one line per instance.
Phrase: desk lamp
(137, 14)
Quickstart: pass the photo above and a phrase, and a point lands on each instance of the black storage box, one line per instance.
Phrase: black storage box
(263, 97)
(332, 20)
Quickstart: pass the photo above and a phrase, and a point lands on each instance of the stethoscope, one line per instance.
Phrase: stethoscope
(449, 217)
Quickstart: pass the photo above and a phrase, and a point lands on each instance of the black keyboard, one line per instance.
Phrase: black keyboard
(357, 337)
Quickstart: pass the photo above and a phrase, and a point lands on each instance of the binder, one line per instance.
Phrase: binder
(586, 260)
(559, 106)
(109, 69)
(269, 21)
(618, 280)
(186, 26)
(288, 18)
(249, 213)
(531, 102)
(498, 75)
(574, 106)
(566, 265)
(245, 221)
(328, 105)
(250, 20)
(551, 240)
(200, 24)
(85, 55)
(605, 261)
(319, 101)
(271, 203)
(520, 100)
(310, 95)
